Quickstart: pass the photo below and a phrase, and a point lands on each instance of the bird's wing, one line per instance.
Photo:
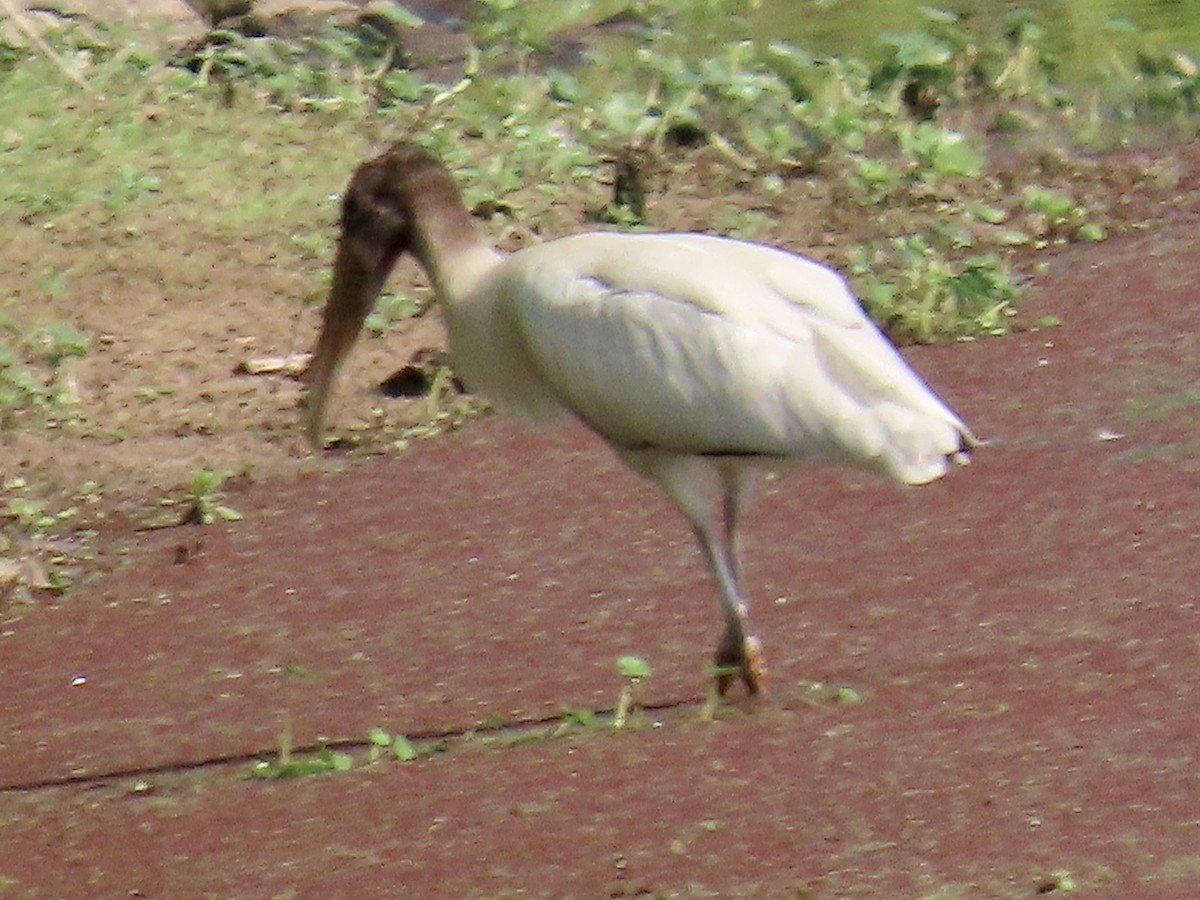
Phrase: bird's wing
(704, 345)
(812, 289)
(803, 300)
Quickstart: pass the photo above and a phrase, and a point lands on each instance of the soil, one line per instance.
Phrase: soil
(985, 687)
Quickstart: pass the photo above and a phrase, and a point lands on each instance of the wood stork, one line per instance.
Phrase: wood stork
(703, 361)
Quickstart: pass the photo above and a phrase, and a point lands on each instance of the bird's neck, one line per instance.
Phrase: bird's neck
(450, 248)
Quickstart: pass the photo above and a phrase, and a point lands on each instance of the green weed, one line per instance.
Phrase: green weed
(33, 381)
(916, 290)
(321, 762)
(30, 529)
(203, 498)
(221, 132)
(397, 746)
(390, 309)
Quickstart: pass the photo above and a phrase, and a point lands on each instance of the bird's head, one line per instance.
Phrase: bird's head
(390, 207)
(376, 224)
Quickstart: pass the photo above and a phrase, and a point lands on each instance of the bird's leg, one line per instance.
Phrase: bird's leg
(731, 654)
(738, 484)
(696, 484)
(738, 652)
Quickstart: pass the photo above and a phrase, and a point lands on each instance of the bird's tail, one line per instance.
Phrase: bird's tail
(919, 447)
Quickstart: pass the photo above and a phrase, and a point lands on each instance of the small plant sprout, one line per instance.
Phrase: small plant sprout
(398, 746)
(322, 761)
(286, 765)
(403, 749)
(1059, 881)
(634, 670)
(583, 718)
(59, 342)
(818, 693)
(390, 309)
(204, 497)
(443, 381)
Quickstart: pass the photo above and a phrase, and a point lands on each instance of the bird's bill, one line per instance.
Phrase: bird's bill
(358, 276)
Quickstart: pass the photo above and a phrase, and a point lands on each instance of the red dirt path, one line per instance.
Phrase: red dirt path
(1023, 638)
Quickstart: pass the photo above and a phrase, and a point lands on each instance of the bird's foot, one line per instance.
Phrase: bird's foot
(745, 660)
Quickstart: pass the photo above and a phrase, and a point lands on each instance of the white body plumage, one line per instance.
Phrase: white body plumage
(699, 345)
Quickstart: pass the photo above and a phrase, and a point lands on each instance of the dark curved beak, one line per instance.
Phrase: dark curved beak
(358, 275)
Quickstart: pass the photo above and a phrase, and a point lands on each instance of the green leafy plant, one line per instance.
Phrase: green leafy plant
(841, 118)
(937, 152)
(31, 516)
(390, 309)
(944, 61)
(817, 693)
(1060, 881)
(45, 534)
(397, 746)
(917, 291)
(1055, 214)
(1170, 82)
(203, 496)
(338, 66)
(19, 388)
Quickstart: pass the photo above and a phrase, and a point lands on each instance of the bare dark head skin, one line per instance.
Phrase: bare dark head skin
(402, 201)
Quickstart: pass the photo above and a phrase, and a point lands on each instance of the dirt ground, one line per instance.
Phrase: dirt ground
(172, 314)
(982, 688)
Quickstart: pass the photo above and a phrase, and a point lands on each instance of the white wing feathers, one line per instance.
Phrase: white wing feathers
(706, 345)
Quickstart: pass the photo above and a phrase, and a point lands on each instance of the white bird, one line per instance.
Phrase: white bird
(702, 361)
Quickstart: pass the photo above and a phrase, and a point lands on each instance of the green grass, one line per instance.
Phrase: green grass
(33, 387)
(217, 167)
(254, 136)
(27, 525)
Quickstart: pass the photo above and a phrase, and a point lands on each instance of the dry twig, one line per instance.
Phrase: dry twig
(18, 17)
